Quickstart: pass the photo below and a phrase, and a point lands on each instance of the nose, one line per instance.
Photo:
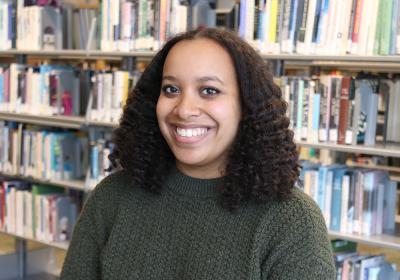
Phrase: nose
(187, 106)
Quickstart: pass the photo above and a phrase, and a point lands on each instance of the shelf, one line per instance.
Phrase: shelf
(104, 124)
(303, 57)
(78, 54)
(63, 245)
(386, 241)
(38, 277)
(338, 58)
(388, 150)
(69, 184)
(54, 121)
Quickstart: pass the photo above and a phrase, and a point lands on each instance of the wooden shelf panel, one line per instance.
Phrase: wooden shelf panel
(385, 241)
(59, 245)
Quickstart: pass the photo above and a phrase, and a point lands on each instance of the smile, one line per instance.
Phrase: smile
(191, 132)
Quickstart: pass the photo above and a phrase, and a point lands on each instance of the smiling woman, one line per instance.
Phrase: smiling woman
(206, 188)
(198, 110)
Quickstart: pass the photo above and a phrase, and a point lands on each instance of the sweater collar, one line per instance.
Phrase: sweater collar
(192, 187)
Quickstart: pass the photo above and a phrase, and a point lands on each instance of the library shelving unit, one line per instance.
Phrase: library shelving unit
(285, 60)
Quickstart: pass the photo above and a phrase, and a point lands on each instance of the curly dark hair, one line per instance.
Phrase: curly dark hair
(263, 160)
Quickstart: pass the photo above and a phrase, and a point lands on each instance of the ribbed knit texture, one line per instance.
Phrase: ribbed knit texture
(125, 232)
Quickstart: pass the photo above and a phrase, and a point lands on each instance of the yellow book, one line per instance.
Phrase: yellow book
(126, 88)
(273, 21)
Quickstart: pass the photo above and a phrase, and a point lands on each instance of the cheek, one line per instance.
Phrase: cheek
(161, 109)
(226, 113)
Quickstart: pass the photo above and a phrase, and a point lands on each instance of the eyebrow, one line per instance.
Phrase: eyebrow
(200, 79)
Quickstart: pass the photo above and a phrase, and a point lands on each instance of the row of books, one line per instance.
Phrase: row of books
(43, 154)
(113, 25)
(40, 212)
(55, 155)
(352, 200)
(109, 93)
(362, 27)
(339, 108)
(64, 90)
(140, 24)
(122, 25)
(350, 265)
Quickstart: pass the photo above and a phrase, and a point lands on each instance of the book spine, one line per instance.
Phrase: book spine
(343, 109)
(356, 26)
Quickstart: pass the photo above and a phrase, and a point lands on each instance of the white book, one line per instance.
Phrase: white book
(126, 26)
(118, 94)
(330, 31)
(306, 47)
(372, 27)
(374, 261)
(107, 93)
(10, 208)
(39, 155)
(28, 225)
(341, 31)
(249, 30)
(345, 202)
(328, 198)
(365, 26)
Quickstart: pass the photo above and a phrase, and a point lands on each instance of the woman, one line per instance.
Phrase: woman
(206, 189)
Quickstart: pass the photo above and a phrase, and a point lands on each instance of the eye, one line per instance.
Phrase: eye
(210, 91)
(168, 89)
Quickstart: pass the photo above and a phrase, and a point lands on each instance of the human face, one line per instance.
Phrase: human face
(198, 110)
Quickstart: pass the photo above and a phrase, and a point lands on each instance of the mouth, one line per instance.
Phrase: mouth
(190, 135)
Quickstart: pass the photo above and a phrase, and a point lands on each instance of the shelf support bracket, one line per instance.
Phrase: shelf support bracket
(20, 248)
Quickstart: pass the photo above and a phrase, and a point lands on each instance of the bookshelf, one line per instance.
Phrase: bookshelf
(389, 63)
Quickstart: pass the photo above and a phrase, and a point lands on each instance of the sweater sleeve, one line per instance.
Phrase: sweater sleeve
(83, 256)
(302, 249)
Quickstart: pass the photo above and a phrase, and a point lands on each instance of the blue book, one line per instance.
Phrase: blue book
(94, 166)
(242, 18)
(337, 199)
(322, 17)
(292, 22)
(393, 35)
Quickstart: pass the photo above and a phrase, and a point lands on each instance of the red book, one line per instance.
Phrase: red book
(357, 21)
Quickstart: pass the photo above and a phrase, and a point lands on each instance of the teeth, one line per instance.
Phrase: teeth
(191, 132)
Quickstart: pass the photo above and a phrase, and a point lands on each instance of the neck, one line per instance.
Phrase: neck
(200, 172)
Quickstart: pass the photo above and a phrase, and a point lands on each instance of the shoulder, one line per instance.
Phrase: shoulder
(114, 184)
(295, 230)
(113, 189)
(298, 206)
(296, 221)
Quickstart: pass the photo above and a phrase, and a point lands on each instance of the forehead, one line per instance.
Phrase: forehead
(199, 56)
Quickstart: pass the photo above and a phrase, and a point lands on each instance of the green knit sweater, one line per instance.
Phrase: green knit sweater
(125, 232)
